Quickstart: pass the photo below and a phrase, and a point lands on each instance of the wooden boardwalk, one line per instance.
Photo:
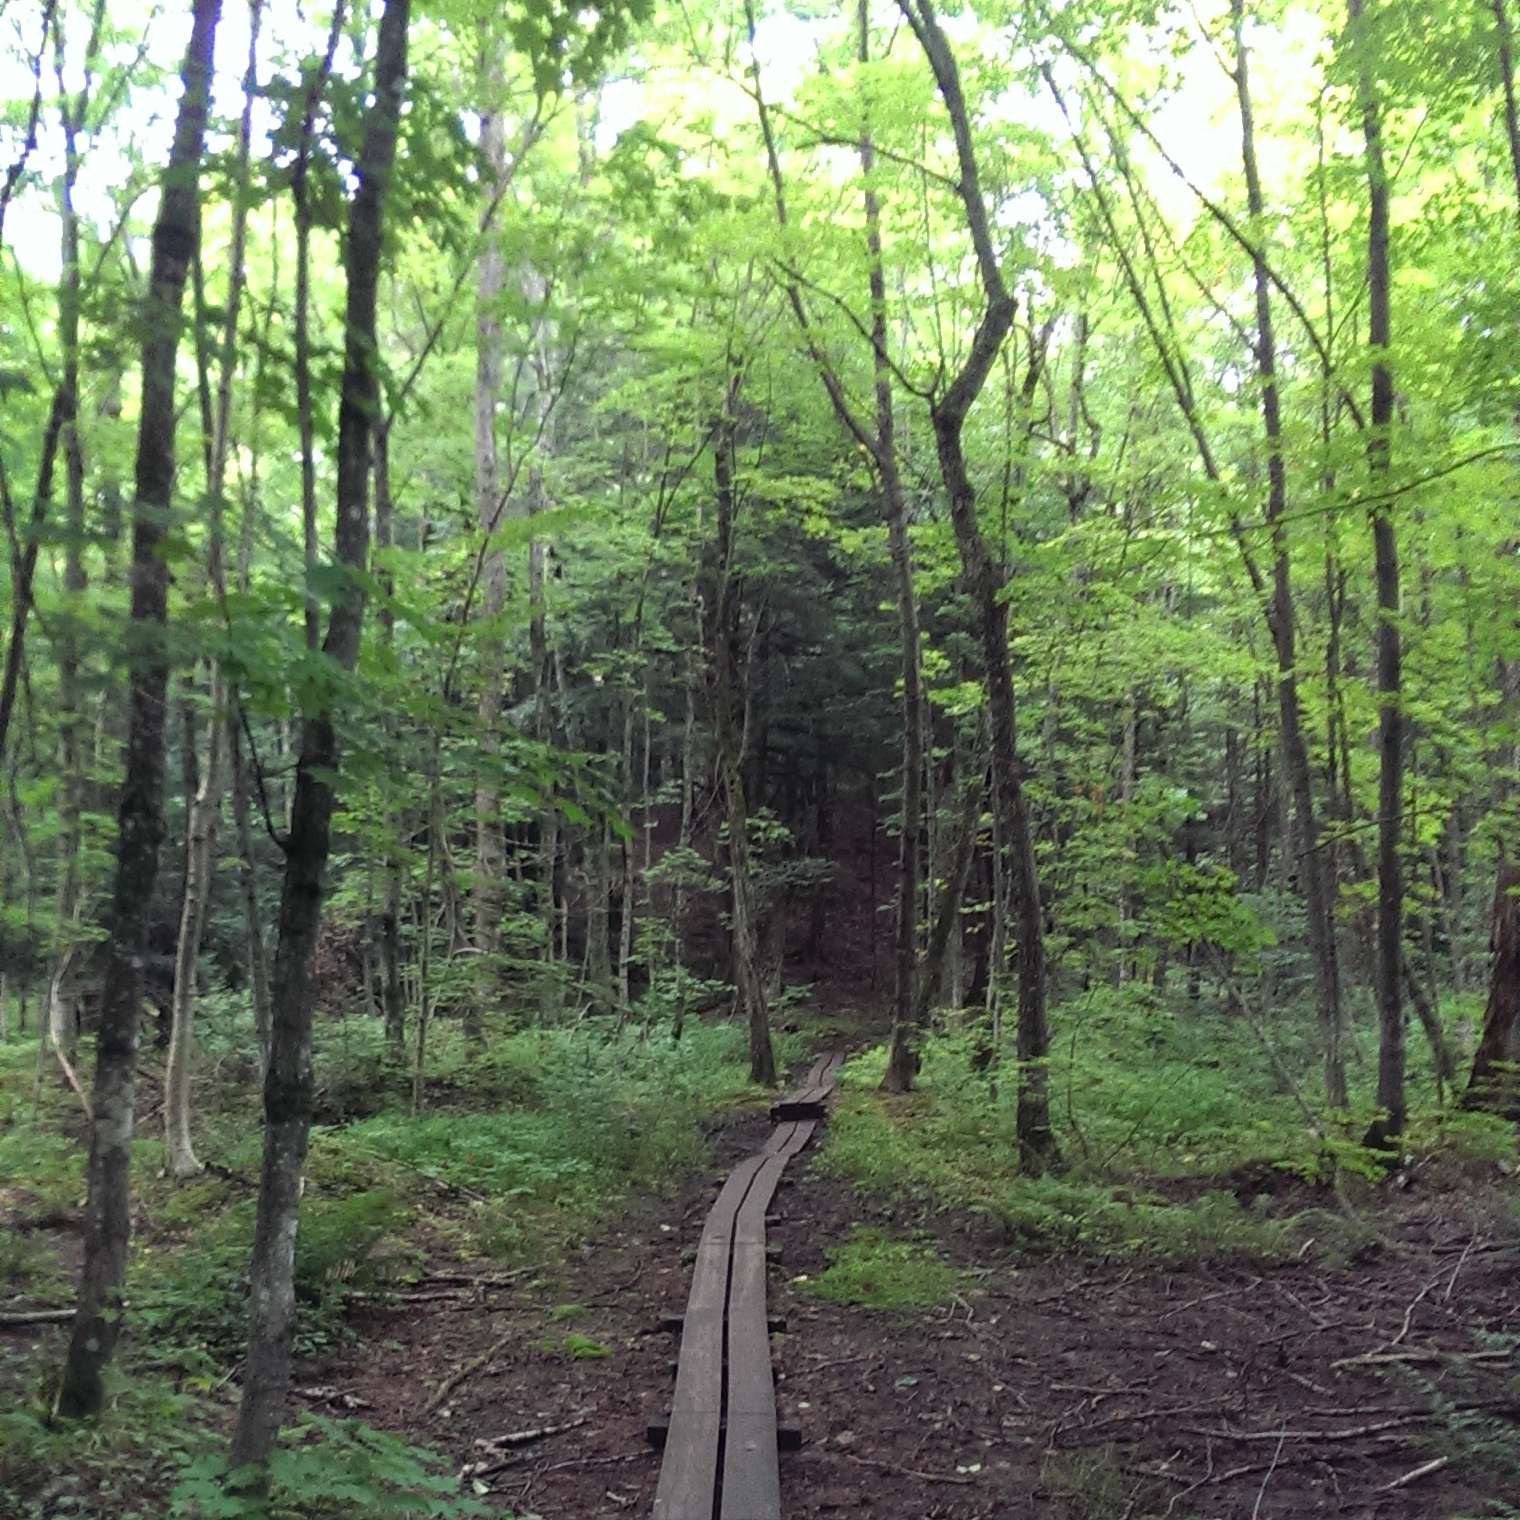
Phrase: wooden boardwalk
(720, 1446)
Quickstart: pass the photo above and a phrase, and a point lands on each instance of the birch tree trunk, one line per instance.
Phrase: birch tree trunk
(97, 1319)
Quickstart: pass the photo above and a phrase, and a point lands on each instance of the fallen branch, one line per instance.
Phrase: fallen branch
(1421, 1357)
(1424, 1470)
(523, 1437)
(471, 1367)
(326, 1395)
(497, 1463)
(20, 1318)
(1355, 1433)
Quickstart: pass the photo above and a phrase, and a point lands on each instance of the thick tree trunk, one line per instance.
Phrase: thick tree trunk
(140, 825)
(288, 1085)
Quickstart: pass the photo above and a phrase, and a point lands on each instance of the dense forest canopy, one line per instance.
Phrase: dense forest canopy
(619, 516)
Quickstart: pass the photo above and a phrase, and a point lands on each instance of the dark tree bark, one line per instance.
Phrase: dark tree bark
(724, 653)
(1390, 871)
(985, 583)
(878, 439)
(288, 1083)
(1315, 874)
(140, 823)
(1495, 1081)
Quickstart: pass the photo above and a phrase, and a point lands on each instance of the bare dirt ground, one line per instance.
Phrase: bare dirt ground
(1384, 1386)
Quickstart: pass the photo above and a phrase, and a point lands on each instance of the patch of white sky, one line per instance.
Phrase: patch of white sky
(128, 149)
(1195, 121)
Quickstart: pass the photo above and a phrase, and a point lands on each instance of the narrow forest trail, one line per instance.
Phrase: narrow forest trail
(1060, 1389)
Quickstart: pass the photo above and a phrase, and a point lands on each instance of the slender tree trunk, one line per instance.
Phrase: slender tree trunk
(1507, 75)
(288, 1085)
(902, 1062)
(985, 584)
(24, 563)
(748, 980)
(1316, 877)
(490, 841)
(1494, 1084)
(258, 963)
(205, 808)
(388, 936)
(70, 698)
(879, 442)
(1390, 932)
(140, 825)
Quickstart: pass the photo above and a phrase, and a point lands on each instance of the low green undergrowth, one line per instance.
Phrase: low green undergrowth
(1182, 1135)
(879, 1272)
(155, 1455)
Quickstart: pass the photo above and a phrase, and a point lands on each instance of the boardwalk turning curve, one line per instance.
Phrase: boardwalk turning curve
(720, 1449)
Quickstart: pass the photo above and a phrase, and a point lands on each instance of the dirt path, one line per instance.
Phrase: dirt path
(1383, 1387)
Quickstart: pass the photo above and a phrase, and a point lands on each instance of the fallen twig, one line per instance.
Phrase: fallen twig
(523, 1437)
(1415, 1474)
(1461, 1262)
(909, 1472)
(1356, 1432)
(1380, 1358)
(1261, 1493)
(450, 1383)
(20, 1318)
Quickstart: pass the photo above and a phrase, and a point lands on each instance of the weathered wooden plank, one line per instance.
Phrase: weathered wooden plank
(807, 1099)
(689, 1472)
(725, 1395)
(751, 1477)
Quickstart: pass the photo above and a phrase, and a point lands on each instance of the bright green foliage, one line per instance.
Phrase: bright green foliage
(877, 1272)
(327, 1470)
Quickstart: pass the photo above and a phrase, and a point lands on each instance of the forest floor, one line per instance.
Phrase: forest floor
(1370, 1370)
(1382, 1384)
